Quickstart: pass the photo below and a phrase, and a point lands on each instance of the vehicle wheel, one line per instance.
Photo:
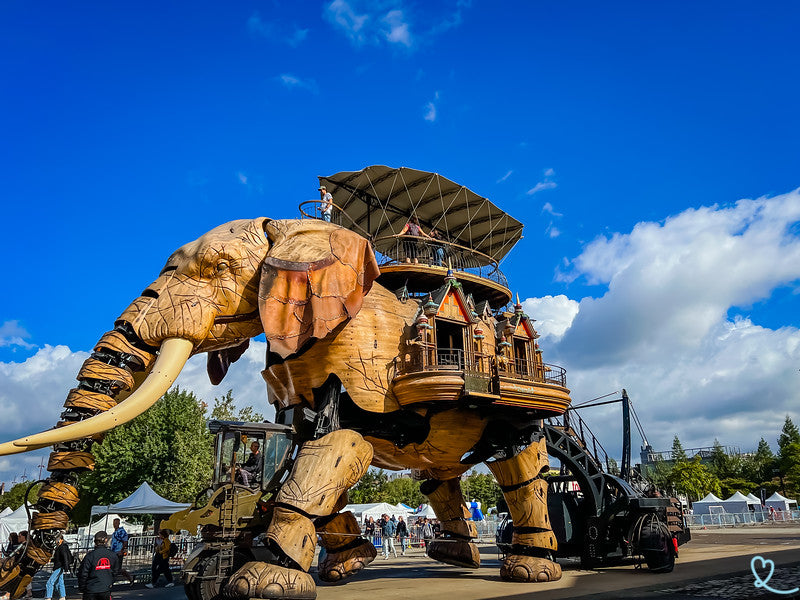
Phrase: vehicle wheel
(211, 588)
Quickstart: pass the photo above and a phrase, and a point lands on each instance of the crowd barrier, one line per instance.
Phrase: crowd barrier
(742, 519)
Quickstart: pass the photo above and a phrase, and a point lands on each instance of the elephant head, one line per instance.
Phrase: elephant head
(293, 280)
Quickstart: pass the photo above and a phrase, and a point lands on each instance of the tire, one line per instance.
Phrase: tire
(211, 589)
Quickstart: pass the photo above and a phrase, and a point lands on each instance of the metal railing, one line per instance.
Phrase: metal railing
(430, 358)
(571, 422)
(758, 517)
(522, 368)
(415, 249)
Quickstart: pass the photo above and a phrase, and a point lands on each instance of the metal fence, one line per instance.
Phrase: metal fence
(742, 519)
(139, 559)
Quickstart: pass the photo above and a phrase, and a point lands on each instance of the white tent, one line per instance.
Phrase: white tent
(424, 511)
(106, 523)
(143, 501)
(779, 502)
(754, 502)
(737, 503)
(362, 512)
(702, 507)
(14, 521)
(6, 511)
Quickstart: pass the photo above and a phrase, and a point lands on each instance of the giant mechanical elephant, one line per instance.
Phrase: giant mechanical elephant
(333, 335)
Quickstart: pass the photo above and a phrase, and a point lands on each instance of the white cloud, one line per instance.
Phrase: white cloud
(663, 331)
(542, 185)
(398, 32)
(370, 22)
(545, 184)
(344, 16)
(293, 82)
(504, 177)
(548, 208)
(553, 314)
(430, 109)
(552, 231)
(242, 178)
(14, 334)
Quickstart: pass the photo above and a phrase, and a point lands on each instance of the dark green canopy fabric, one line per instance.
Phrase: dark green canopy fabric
(378, 200)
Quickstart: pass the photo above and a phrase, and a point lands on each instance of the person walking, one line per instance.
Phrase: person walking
(388, 533)
(427, 532)
(161, 560)
(327, 204)
(402, 534)
(62, 559)
(369, 530)
(97, 570)
(119, 546)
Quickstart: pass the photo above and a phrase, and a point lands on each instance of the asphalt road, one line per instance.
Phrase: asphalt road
(714, 565)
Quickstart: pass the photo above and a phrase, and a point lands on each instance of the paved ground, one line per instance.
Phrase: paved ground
(714, 565)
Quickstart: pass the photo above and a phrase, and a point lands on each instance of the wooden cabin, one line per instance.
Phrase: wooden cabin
(468, 343)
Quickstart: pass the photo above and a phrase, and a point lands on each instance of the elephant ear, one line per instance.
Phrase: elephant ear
(219, 361)
(314, 279)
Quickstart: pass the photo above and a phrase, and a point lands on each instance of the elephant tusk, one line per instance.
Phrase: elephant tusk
(172, 357)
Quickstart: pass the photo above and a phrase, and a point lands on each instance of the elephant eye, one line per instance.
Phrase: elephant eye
(222, 267)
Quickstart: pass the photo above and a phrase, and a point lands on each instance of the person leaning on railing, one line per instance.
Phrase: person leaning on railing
(412, 228)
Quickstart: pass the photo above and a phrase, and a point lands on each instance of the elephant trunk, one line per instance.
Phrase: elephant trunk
(120, 380)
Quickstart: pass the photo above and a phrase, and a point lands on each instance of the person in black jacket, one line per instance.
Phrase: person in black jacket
(97, 570)
(62, 559)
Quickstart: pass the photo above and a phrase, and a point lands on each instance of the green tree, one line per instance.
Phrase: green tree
(789, 434)
(168, 446)
(613, 466)
(369, 488)
(405, 490)
(678, 453)
(694, 479)
(481, 487)
(14, 497)
(789, 457)
(225, 410)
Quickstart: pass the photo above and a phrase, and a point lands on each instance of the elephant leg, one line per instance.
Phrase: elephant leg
(454, 546)
(323, 471)
(533, 542)
(347, 551)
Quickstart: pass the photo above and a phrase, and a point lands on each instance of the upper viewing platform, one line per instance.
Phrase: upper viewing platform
(421, 224)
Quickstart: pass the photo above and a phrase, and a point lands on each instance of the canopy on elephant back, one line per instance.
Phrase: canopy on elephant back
(379, 200)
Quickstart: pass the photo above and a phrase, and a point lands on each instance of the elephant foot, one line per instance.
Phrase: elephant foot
(459, 553)
(273, 582)
(345, 563)
(529, 569)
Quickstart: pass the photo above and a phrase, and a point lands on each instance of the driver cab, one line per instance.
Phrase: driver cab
(249, 454)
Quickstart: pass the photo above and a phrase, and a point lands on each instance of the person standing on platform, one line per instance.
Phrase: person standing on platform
(327, 203)
(97, 570)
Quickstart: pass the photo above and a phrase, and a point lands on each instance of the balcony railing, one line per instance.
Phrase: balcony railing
(414, 249)
(429, 358)
(531, 371)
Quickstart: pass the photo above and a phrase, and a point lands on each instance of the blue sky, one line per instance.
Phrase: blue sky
(622, 134)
